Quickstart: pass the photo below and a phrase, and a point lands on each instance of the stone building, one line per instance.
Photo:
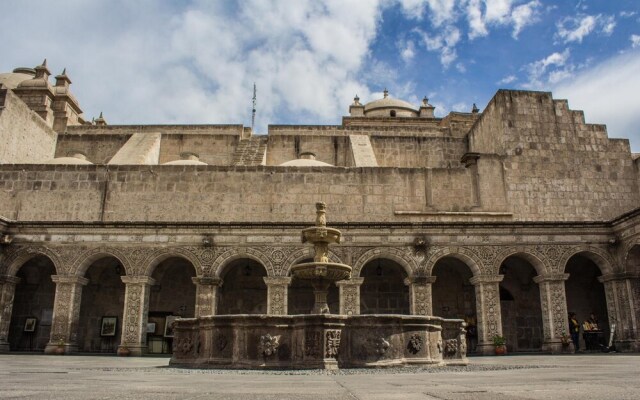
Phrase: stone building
(512, 216)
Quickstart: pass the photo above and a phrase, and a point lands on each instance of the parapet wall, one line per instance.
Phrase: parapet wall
(224, 194)
(555, 166)
(24, 136)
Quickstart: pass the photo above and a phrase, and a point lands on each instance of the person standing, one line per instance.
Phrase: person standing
(574, 330)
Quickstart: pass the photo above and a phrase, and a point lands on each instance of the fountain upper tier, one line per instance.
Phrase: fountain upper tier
(321, 273)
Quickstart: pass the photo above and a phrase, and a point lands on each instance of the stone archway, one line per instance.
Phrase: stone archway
(172, 295)
(243, 290)
(384, 289)
(453, 295)
(102, 303)
(586, 294)
(520, 305)
(31, 316)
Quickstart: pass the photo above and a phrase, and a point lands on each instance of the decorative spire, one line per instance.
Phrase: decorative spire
(44, 63)
(63, 79)
(475, 109)
(100, 121)
(385, 93)
(64, 71)
(42, 71)
(356, 100)
(425, 101)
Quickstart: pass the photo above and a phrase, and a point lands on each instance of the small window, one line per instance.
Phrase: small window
(393, 113)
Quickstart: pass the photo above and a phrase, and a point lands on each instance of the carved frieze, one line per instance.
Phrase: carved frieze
(268, 345)
(333, 342)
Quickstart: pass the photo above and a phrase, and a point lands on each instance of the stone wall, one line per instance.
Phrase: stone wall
(417, 152)
(24, 136)
(99, 149)
(556, 167)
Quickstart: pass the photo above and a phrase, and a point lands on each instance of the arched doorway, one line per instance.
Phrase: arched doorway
(243, 290)
(101, 307)
(520, 306)
(32, 311)
(585, 295)
(301, 298)
(173, 295)
(453, 296)
(384, 290)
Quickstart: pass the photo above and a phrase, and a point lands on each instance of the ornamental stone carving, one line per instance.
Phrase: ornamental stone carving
(268, 345)
(415, 343)
(312, 343)
(401, 255)
(333, 343)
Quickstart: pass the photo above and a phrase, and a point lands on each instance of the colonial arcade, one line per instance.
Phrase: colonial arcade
(509, 217)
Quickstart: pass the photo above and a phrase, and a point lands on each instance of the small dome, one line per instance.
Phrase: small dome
(11, 80)
(187, 159)
(307, 159)
(76, 159)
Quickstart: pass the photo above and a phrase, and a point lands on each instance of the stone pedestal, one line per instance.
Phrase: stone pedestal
(66, 313)
(206, 295)
(420, 294)
(487, 288)
(350, 296)
(618, 290)
(136, 309)
(7, 292)
(277, 294)
(554, 310)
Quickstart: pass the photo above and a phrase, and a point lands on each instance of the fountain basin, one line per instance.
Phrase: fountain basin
(321, 270)
(317, 341)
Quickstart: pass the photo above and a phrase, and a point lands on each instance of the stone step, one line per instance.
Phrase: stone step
(250, 151)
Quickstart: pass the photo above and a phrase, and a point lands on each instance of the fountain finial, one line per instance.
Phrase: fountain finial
(321, 214)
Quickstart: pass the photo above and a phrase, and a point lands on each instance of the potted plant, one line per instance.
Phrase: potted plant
(500, 344)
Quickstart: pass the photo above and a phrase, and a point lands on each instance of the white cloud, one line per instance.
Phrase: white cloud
(482, 14)
(608, 94)
(507, 80)
(635, 41)
(408, 51)
(627, 14)
(553, 67)
(443, 42)
(162, 62)
(574, 29)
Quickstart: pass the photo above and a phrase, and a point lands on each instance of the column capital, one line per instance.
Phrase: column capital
(70, 279)
(482, 279)
(350, 282)
(420, 280)
(9, 279)
(207, 280)
(551, 278)
(616, 276)
(139, 279)
(277, 280)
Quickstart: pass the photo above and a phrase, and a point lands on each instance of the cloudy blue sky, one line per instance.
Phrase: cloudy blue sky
(196, 61)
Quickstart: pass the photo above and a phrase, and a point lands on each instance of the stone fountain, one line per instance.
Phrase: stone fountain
(319, 340)
(321, 273)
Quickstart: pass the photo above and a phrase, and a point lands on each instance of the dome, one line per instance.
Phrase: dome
(400, 108)
(185, 162)
(77, 159)
(389, 102)
(306, 159)
(186, 158)
(11, 80)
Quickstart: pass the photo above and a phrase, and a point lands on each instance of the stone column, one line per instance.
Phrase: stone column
(277, 294)
(7, 290)
(420, 294)
(618, 288)
(206, 295)
(136, 310)
(66, 313)
(553, 302)
(350, 296)
(487, 288)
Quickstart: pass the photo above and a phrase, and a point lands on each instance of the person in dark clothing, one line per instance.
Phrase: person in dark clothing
(574, 330)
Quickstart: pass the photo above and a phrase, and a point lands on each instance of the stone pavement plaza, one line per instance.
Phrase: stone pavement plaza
(564, 377)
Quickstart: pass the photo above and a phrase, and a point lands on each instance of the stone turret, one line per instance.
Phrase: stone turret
(66, 110)
(426, 109)
(356, 109)
(38, 93)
